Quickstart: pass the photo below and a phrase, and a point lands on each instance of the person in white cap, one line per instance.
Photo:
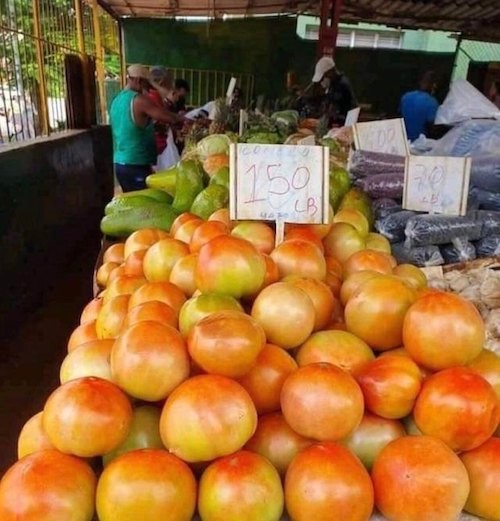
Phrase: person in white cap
(132, 114)
(340, 98)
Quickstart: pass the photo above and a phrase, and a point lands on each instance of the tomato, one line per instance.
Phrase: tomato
(226, 343)
(368, 260)
(103, 274)
(390, 385)
(118, 271)
(355, 218)
(277, 441)
(272, 272)
(146, 484)
(411, 427)
(419, 478)
(165, 292)
(144, 433)
(300, 258)
(182, 219)
(321, 296)
(115, 253)
(149, 360)
(305, 234)
(334, 266)
(152, 310)
(377, 242)
(412, 275)
(354, 283)
(230, 266)
(222, 215)
(320, 230)
(32, 437)
(259, 234)
(338, 348)
(443, 330)
(459, 407)
(342, 241)
(90, 359)
(487, 364)
(84, 333)
(197, 308)
(207, 417)
(91, 310)
(161, 258)
(286, 313)
(377, 311)
(401, 351)
(265, 379)
(241, 487)
(48, 486)
(111, 318)
(185, 232)
(325, 481)
(87, 417)
(123, 285)
(322, 402)
(483, 467)
(142, 240)
(183, 274)
(205, 233)
(372, 435)
(133, 264)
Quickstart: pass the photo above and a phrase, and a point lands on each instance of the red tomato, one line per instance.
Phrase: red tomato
(338, 348)
(265, 379)
(483, 466)
(372, 435)
(148, 485)
(259, 234)
(459, 407)
(205, 233)
(90, 359)
(325, 481)
(277, 441)
(149, 360)
(32, 437)
(443, 330)
(183, 274)
(48, 486)
(240, 487)
(207, 417)
(230, 266)
(487, 364)
(226, 343)
(142, 240)
(165, 292)
(419, 478)
(91, 310)
(87, 417)
(377, 311)
(390, 385)
(286, 313)
(342, 241)
(368, 260)
(322, 402)
(305, 234)
(151, 310)
(401, 351)
(161, 258)
(300, 258)
(111, 318)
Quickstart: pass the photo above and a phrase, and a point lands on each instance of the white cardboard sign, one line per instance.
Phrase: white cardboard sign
(387, 136)
(352, 117)
(243, 121)
(437, 184)
(281, 183)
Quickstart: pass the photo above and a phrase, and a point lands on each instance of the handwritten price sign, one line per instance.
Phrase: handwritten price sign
(282, 183)
(437, 184)
(387, 136)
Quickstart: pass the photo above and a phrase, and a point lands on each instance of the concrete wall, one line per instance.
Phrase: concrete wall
(52, 194)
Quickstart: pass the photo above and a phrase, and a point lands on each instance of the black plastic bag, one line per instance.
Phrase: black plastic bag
(364, 163)
(485, 173)
(488, 247)
(383, 185)
(459, 251)
(486, 200)
(393, 226)
(421, 256)
(490, 222)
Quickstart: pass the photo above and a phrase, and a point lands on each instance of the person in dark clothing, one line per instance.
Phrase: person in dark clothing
(182, 89)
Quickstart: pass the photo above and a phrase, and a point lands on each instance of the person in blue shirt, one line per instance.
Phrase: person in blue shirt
(419, 107)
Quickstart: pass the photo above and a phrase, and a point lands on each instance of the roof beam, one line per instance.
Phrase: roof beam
(106, 7)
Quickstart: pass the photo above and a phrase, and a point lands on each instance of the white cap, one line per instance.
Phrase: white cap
(138, 71)
(324, 65)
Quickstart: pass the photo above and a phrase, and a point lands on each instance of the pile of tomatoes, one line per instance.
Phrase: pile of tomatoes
(220, 375)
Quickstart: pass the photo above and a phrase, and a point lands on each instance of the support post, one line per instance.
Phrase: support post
(43, 109)
(79, 27)
(328, 30)
(100, 61)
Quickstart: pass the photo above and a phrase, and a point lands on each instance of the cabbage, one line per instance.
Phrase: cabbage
(264, 138)
(212, 145)
(286, 117)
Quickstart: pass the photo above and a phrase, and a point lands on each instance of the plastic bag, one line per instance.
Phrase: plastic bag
(383, 185)
(485, 173)
(170, 156)
(465, 102)
(459, 251)
(384, 207)
(393, 226)
(364, 164)
(488, 247)
(490, 222)
(421, 256)
(485, 200)
(423, 230)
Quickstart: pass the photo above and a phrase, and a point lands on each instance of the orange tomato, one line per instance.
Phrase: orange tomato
(334, 283)
(222, 215)
(325, 481)
(134, 264)
(459, 407)
(165, 292)
(354, 283)
(259, 234)
(183, 274)
(142, 240)
(305, 234)
(342, 241)
(118, 271)
(87, 417)
(182, 219)
(123, 285)
(412, 275)
(300, 258)
(487, 364)
(161, 258)
(322, 402)
(48, 486)
(207, 417)
(84, 333)
(91, 310)
(151, 310)
(368, 260)
(115, 253)
(377, 242)
(422, 477)
(32, 437)
(334, 266)
(355, 218)
(265, 379)
(186, 230)
(443, 330)
(90, 359)
(205, 233)
(272, 273)
(111, 318)
(104, 273)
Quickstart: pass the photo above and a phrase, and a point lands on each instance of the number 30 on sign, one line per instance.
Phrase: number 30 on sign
(281, 183)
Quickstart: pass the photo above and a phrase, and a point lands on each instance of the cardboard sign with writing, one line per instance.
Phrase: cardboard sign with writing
(281, 183)
(387, 136)
(352, 117)
(437, 184)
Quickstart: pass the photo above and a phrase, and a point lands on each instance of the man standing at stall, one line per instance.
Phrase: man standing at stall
(132, 114)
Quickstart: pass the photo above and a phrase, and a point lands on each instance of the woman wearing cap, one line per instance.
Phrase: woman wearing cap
(132, 114)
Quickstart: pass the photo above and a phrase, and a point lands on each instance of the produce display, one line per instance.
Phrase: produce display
(220, 375)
